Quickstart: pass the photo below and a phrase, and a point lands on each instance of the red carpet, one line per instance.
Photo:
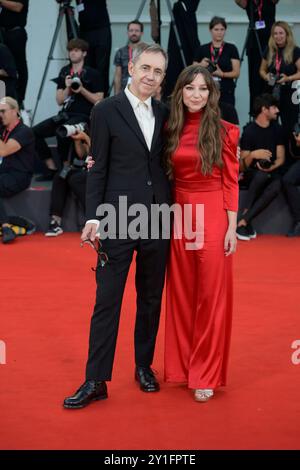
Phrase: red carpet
(47, 294)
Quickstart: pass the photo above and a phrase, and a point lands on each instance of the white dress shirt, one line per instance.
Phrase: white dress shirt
(144, 113)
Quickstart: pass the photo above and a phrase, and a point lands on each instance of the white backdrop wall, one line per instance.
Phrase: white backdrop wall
(42, 21)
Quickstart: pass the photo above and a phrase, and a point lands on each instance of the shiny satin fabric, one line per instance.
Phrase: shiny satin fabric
(199, 281)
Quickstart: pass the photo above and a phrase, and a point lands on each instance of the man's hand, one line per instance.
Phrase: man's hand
(261, 154)
(89, 232)
(68, 81)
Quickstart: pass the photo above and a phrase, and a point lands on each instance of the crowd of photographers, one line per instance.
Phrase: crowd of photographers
(270, 143)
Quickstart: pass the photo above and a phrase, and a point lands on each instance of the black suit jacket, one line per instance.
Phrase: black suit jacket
(124, 166)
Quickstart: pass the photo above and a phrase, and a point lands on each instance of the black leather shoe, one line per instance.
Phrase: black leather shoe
(146, 379)
(89, 391)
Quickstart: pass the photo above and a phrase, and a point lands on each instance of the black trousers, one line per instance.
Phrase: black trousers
(263, 188)
(16, 39)
(76, 182)
(290, 181)
(98, 55)
(256, 83)
(11, 183)
(151, 261)
(48, 128)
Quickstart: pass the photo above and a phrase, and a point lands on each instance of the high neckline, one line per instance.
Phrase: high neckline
(195, 117)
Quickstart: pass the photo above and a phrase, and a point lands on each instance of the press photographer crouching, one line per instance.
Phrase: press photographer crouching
(78, 89)
(71, 177)
(16, 159)
(262, 155)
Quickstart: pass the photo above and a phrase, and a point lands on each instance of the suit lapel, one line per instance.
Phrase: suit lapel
(125, 109)
(158, 122)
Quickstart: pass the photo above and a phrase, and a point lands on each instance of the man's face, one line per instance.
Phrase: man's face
(272, 113)
(7, 114)
(147, 74)
(134, 33)
(76, 56)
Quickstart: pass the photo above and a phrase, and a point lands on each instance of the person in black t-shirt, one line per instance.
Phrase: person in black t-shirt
(262, 155)
(280, 67)
(76, 104)
(13, 19)
(261, 15)
(16, 159)
(224, 57)
(8, 71)
(95, 29)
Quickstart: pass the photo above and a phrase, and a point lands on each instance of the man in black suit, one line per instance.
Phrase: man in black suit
(126, 133)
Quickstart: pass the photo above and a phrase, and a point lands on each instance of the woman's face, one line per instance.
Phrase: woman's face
(195, 94)
(279, 36)
(218, 33)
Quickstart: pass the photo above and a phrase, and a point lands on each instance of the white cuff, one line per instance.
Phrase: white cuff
(93, 221)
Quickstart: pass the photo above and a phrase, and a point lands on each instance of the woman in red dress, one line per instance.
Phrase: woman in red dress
(201, 158)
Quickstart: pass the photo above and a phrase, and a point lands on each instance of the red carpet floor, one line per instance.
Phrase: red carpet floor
(47, 294)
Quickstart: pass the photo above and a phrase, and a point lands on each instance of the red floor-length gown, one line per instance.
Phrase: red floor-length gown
(199, 282)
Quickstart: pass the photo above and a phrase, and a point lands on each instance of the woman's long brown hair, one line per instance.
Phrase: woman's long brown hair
(210, 131)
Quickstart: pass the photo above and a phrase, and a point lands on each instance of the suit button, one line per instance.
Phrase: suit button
(149, 183)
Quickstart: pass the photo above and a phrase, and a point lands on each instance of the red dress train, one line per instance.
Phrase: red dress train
(199, 281)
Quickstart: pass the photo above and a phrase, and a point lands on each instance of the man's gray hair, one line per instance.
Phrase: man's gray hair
(153, 48)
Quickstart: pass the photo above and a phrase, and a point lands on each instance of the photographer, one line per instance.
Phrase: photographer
(290, 183)
(123, 55)
(72, 177)
(16, 159)
(262, 155)
(261, 14)
(222, 60)
(78, 90)
(279, 68)
(95, 29)
(13, 19)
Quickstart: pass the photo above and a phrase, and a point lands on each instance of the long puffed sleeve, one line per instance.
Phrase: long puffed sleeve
(230, 170)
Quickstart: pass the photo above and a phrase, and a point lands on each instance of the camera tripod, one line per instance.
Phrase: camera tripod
(250, 31)
(67, 12)
(173, 22)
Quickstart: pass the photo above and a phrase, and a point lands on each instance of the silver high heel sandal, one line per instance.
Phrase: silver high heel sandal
(203, 394)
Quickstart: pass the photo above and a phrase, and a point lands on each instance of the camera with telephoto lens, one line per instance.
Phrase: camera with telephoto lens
(211, 66)
(75, 82)
(67, 130)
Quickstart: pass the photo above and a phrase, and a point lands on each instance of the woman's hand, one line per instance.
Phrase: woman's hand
(283, 79)
(89, 162)
(230, 241)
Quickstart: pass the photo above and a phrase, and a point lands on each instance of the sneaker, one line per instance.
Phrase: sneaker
(251, 232)
(242, 233)
(8, 235)
(54, 229)
(295, 231)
